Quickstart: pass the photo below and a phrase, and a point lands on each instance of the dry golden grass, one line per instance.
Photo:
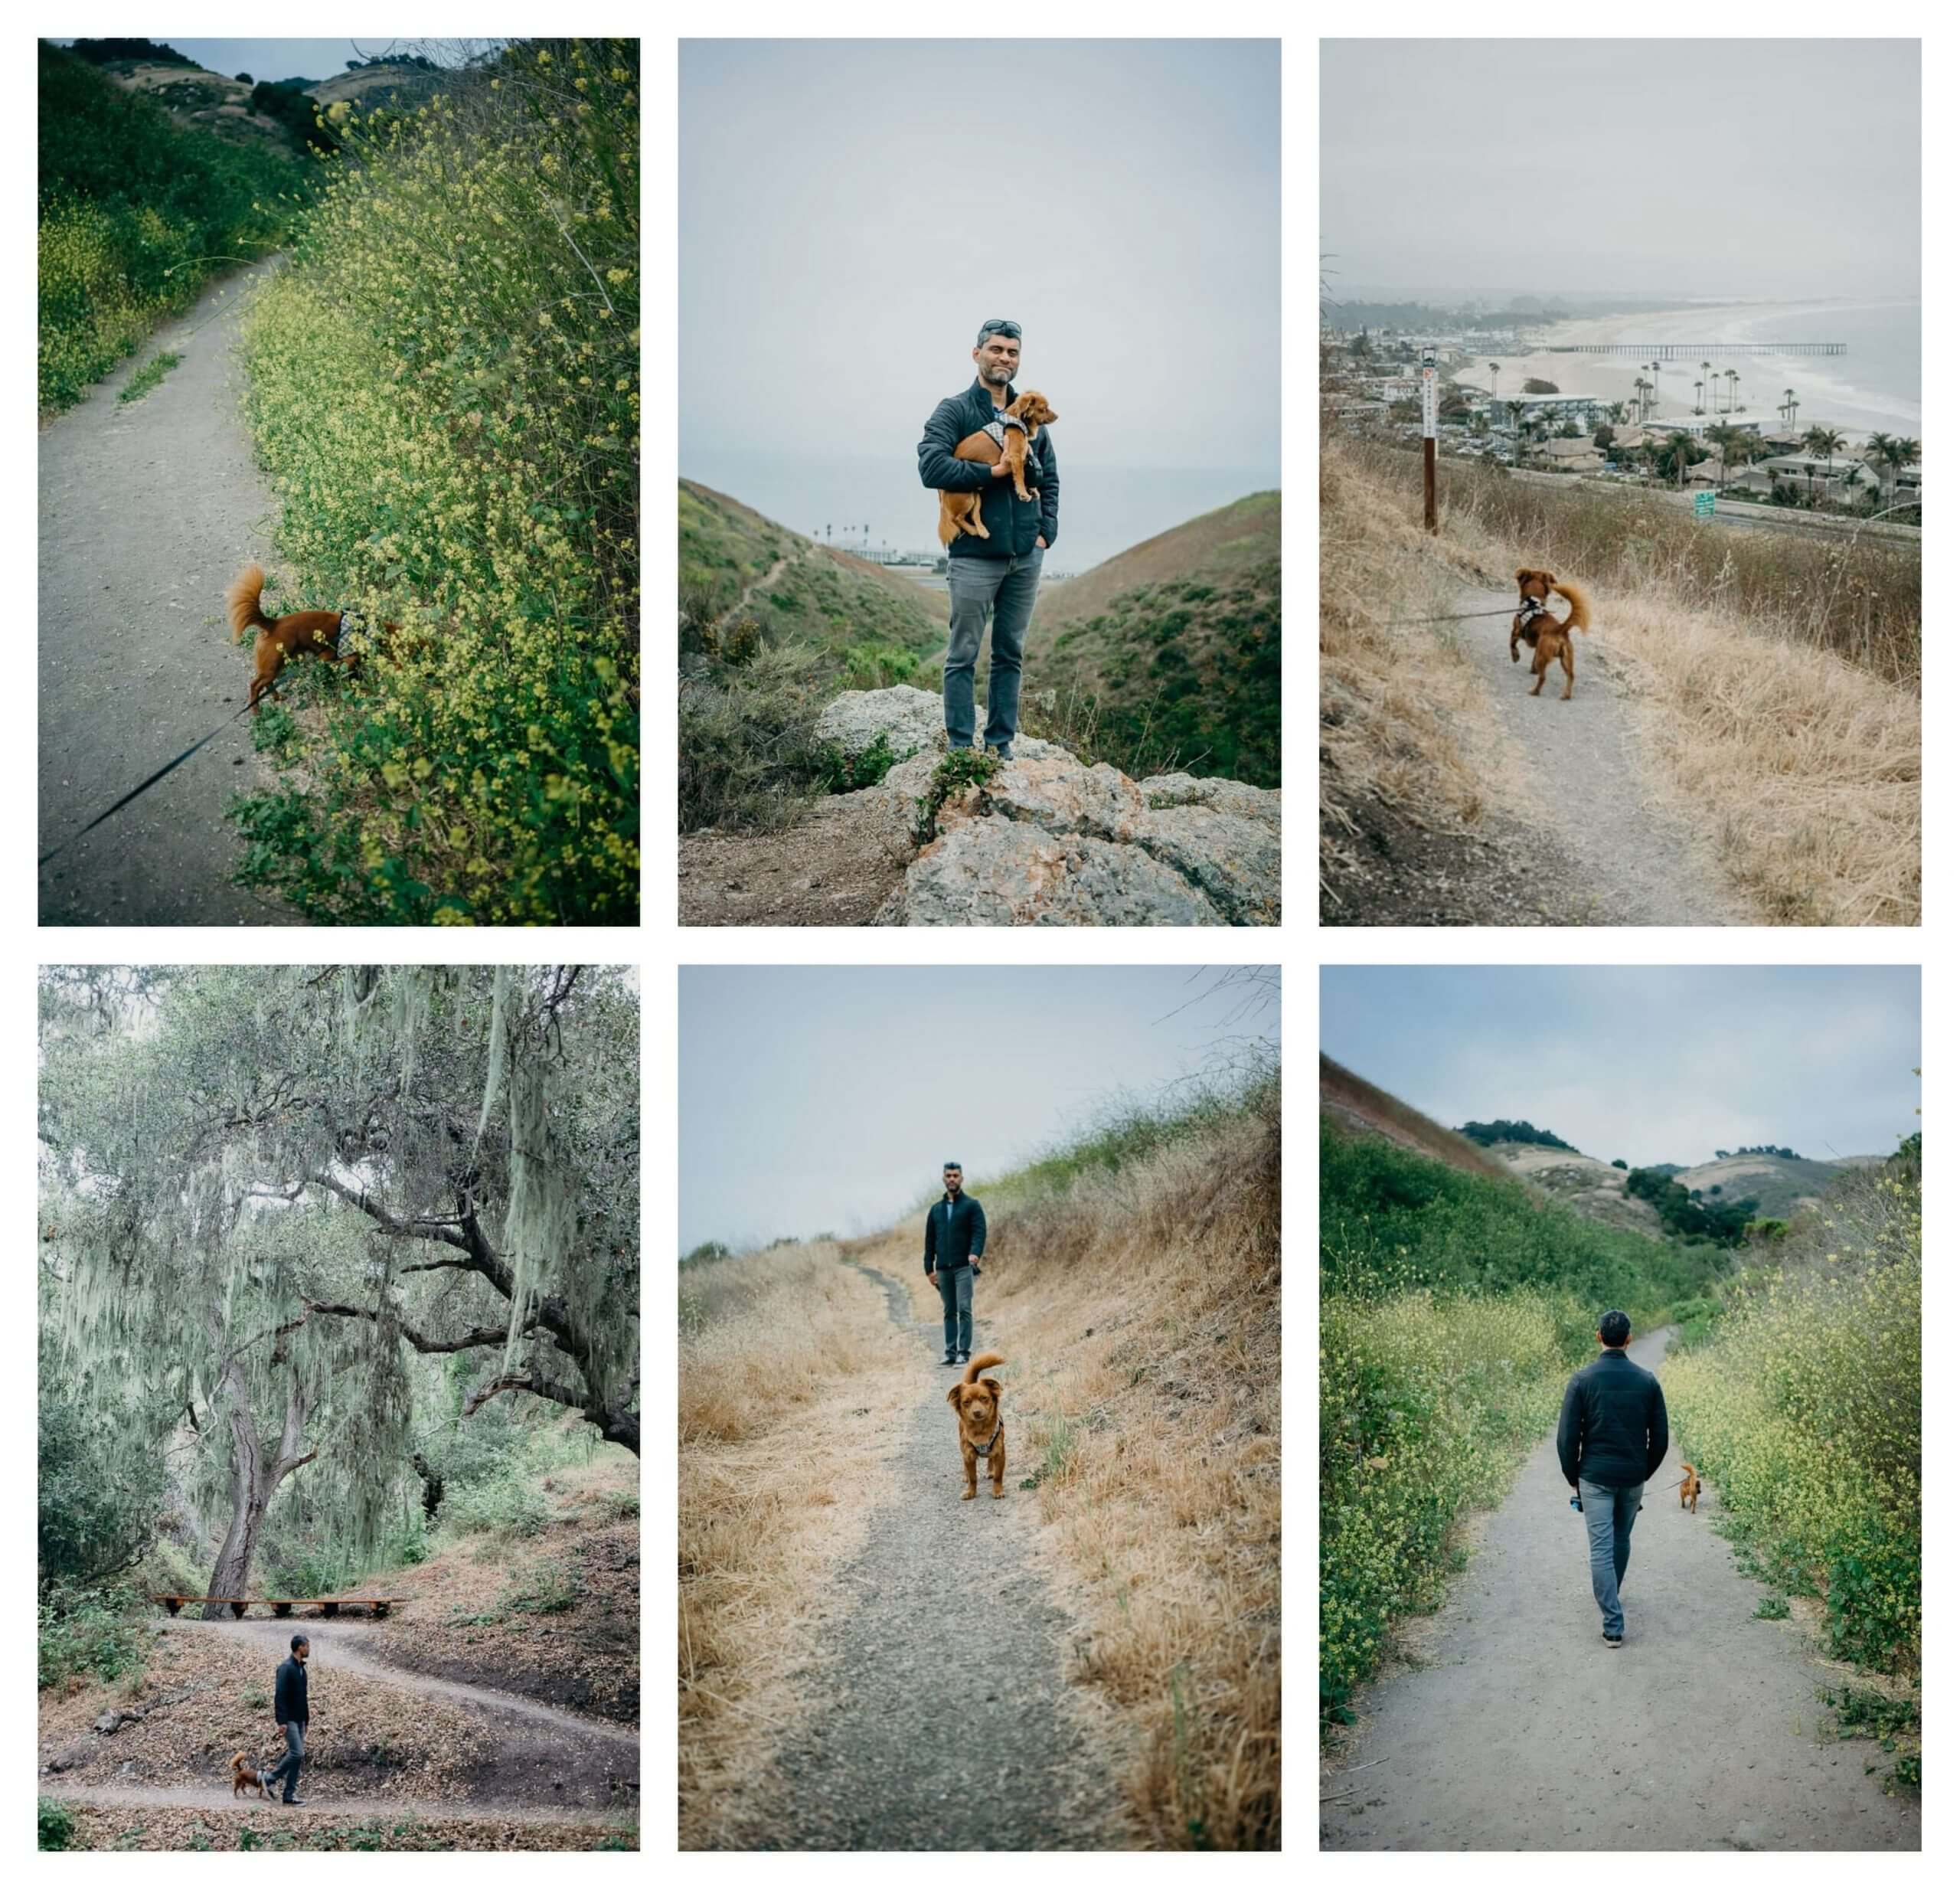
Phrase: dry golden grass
(777, 1348)
(1139, 1311)
(1402, 717)
(1803, 766)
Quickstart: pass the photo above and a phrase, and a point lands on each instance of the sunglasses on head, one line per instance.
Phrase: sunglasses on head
(1010, 329)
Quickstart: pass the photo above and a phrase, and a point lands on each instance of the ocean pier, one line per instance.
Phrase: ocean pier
(1693, 351)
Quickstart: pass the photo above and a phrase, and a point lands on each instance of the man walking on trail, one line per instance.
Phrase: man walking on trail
(1001, 572)
(1613, 1437)
(290, 1709)
(955, 1237)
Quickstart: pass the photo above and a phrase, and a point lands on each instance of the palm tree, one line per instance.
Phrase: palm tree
(1877, 455)
(1704, 375)
(1724, 440)
(1735, 380)
(1494, 380)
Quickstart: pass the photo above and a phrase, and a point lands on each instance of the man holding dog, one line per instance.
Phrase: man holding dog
(1001, 573)
(955, 1237)
(1613, 1437)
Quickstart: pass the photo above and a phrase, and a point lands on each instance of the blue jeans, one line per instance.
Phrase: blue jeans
(287, 1768)
(956, 1296)
(1006, 586)
(1609, 1513)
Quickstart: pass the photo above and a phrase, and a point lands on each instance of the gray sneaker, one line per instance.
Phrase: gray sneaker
(1004, 753)
(1612, 1640)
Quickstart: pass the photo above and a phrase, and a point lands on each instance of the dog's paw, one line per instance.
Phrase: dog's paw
(1514, 656)
(967, 1495)
(998, 1494)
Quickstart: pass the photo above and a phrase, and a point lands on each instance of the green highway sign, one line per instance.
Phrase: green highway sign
(1704, 505)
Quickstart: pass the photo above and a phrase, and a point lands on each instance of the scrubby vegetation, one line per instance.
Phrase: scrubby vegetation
(1489, 1133)
(1802, 1405)
(1686, 1212)
(444, 385)
(1452, 1308)
(135, 213)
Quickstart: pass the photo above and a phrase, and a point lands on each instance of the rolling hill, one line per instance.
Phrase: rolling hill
(1177, 641)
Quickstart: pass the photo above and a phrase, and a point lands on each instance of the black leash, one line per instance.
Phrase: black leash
(1509, 610)
(140, 787)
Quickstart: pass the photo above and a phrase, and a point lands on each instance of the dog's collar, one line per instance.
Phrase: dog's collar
(986, 1448)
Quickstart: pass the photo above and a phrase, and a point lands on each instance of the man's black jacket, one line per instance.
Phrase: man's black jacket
(1012, 525)
(1613, 1429)
(289, 1691)
(955, 1232)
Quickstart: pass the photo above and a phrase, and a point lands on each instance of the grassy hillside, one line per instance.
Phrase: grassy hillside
(136, 211)
(1172, 647)
(1356, 1106)
(1805, 770)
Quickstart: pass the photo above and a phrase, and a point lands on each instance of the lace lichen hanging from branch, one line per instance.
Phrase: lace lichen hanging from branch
(493, 1079)
(541, 1216)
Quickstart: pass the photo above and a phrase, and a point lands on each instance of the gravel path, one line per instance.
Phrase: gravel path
(218, 1798)
(351, 1646)
(1632, 862)
(147, 513)
(942, 1725)
(1528, 1733)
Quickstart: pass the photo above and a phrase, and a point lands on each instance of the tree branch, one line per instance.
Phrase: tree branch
(482, 1335)
(523, 1382)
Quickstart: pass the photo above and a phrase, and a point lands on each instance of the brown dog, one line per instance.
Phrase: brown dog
(298, 633)
(981, 1431)
(1547, 634)
(960, 511)
(1690, 1489)
(245, 1777)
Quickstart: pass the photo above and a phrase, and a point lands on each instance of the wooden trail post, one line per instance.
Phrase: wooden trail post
(1429, 440)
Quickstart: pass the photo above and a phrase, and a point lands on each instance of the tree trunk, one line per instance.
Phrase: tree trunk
(255, 1473)
(432, 1485)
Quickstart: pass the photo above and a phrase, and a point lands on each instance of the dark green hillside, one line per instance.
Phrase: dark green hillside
(1176, 643)
(136, 211)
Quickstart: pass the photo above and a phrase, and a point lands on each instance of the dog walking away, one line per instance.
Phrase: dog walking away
(1019, 422)
(245, 1777)
(298, 633)
(982, 1434)
(1548, 634)
(1690, 1489)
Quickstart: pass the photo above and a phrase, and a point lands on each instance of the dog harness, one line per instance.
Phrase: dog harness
(988, 1449)
(1532, 607)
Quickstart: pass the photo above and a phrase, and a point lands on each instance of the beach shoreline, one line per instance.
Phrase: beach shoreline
(1825, 385)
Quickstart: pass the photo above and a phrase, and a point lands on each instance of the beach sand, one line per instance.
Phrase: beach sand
(1824, 392)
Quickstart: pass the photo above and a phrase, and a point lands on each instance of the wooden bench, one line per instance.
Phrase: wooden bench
(330, 1605)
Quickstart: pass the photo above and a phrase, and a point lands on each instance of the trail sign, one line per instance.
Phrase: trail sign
(1704, 505)
(1429, 394)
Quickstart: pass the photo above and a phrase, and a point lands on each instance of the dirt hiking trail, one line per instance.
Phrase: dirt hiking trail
(147, 512)
(1525, 1731)
(943, 1724)
(535, 1747)
(1632, 861)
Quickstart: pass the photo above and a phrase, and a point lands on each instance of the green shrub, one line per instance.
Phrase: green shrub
(551, 1588)
(456, 448)
(503, 1506)
(56, 1822)
(96, 1633)
(961, 768)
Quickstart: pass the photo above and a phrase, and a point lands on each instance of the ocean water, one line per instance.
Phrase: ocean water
(1104, 509)
(1874, 386)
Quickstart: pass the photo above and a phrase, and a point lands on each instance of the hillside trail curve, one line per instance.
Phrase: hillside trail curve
(1627, 859)
(348, 1645)
(1523, 1730)
(147, 512)
(943, 1724)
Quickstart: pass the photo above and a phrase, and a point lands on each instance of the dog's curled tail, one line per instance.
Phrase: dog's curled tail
(980, 1364)
(237, 1760)
(241, 602)
(1581, 618)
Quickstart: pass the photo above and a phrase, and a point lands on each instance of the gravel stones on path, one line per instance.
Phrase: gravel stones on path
(941, 1721)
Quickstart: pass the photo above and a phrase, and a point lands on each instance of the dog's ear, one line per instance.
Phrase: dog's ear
(1523, 572)
(952, 1397)
(993, 1386)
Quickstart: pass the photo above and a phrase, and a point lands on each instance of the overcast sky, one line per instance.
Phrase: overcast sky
(1649, 1064)
(826, 1098)
(851, 210)
(274, 59)
(1747, 168)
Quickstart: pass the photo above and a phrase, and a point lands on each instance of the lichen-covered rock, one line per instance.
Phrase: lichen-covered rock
(1048, 840)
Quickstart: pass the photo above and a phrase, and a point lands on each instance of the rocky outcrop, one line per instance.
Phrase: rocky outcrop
(1049, 840)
